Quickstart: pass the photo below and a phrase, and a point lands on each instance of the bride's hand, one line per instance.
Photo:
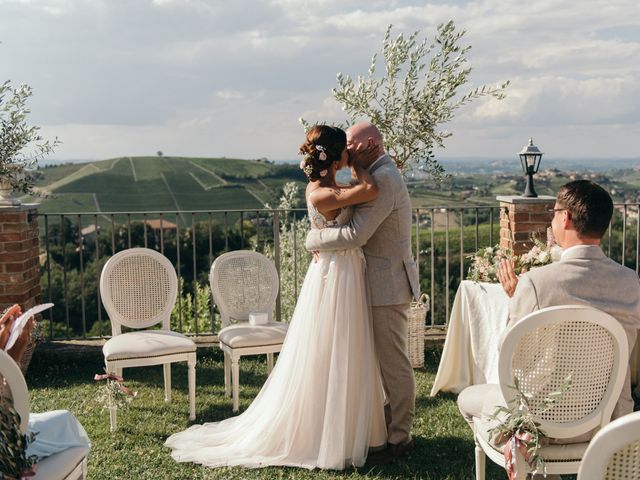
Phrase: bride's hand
(363, 155)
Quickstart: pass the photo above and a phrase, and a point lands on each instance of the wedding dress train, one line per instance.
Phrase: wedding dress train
(322, 405)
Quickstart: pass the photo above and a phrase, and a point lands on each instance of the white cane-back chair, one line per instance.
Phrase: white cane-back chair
(244, 282)
(69, 464)
(614, 452)
(138, 288)
(541, 351)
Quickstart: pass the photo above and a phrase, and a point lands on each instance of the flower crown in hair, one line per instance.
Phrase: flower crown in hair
(321, 149)
(307, 169)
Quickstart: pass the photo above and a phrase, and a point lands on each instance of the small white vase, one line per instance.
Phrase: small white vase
(6, 195)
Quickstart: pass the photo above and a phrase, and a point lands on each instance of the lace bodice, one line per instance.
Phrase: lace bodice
(318, 221)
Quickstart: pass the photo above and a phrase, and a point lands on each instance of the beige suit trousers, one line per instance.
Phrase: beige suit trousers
(390, 336)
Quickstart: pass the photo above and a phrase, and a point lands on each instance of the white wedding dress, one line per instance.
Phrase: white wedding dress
(322, 405)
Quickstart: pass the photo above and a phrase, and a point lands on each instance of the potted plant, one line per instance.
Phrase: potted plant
(21, 145)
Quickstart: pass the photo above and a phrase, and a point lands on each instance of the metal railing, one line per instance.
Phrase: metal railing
(76, 245)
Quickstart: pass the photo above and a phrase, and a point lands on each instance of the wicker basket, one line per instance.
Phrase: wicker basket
(415, 340)
(27, 355)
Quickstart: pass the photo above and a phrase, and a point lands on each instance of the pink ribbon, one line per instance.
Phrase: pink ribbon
(118, 379)
(29, 473)
(519, 441)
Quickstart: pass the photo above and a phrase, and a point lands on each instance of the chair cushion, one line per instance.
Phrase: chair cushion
(244, 335)
(146, 343)
(60, 464)
(556, 452)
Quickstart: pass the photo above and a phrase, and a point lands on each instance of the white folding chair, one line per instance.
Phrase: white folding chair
(614, 452)
(138, 288)
(540, 351)
(69, 464)
(245, 282)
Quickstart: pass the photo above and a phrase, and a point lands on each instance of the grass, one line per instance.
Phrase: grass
(62, 378)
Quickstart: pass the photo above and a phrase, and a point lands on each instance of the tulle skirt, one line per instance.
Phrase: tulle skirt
(322, 405)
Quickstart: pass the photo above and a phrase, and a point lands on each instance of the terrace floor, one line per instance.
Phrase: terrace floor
(61, 377)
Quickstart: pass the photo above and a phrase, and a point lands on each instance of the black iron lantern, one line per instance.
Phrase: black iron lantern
(530, 157)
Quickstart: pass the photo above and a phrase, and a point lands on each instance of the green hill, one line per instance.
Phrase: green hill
(148, 184)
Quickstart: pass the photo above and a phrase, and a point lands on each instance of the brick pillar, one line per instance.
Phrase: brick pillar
(521, 217)
(19, 256)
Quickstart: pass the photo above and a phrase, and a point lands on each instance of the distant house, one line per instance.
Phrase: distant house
(157, 224)
(90, 233)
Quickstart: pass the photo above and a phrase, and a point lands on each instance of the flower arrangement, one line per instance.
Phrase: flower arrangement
(520, 431)
(114, 394)
(484, 262)
(14, 462)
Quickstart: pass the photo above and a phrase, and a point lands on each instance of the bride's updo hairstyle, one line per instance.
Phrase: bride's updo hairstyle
(324, 146)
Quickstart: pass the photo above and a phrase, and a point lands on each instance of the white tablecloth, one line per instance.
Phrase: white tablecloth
(478, 319)
(477, 323)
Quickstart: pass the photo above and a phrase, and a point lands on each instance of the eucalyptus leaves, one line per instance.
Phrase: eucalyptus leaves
(518, 428)
(14, 462)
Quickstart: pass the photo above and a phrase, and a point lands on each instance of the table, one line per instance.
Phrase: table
(476, 326)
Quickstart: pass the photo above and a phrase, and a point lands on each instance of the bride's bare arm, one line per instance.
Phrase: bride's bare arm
(330, 199)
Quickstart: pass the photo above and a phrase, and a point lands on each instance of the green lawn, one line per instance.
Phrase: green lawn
(62, 378)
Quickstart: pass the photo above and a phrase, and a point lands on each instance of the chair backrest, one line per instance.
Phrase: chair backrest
(13, 381)
(614, 453)
(548, 345)
(138, 288)
(243, 282)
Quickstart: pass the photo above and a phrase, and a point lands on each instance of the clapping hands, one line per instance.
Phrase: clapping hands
(507, 276)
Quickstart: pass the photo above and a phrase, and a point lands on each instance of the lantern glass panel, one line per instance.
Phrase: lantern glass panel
(531, 160)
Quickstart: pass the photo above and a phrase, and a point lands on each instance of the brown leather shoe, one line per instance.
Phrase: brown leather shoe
(391, 453)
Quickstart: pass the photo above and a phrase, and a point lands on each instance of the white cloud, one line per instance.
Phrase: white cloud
(211, 77)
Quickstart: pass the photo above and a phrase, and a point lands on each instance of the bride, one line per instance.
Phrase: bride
(322, 405)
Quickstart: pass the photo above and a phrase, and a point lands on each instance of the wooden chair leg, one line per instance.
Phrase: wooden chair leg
(481, 460)
(167, 381)
(269, 362)
(227, 374)
(235, 378)
(192, 386)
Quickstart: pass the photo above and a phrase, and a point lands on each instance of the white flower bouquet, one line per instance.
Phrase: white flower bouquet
(484, 263)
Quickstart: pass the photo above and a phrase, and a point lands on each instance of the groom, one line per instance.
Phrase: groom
(382, 228)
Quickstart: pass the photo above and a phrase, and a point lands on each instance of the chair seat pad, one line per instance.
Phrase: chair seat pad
(60, 464)
(146, 343)
(556, 452)
(244, 335)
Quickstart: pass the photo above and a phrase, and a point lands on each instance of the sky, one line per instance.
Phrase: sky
(231, 78)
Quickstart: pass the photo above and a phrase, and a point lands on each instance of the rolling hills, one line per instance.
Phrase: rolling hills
(146, 184)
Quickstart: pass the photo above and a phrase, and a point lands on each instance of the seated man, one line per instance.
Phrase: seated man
(584, 275)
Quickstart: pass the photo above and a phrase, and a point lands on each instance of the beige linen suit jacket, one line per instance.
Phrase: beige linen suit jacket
(382, 227)
(584, 276)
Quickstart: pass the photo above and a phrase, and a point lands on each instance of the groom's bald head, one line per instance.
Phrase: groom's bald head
(362, 135)
(365, 133)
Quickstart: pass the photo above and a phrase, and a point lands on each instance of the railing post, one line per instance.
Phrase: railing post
(276, 258)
